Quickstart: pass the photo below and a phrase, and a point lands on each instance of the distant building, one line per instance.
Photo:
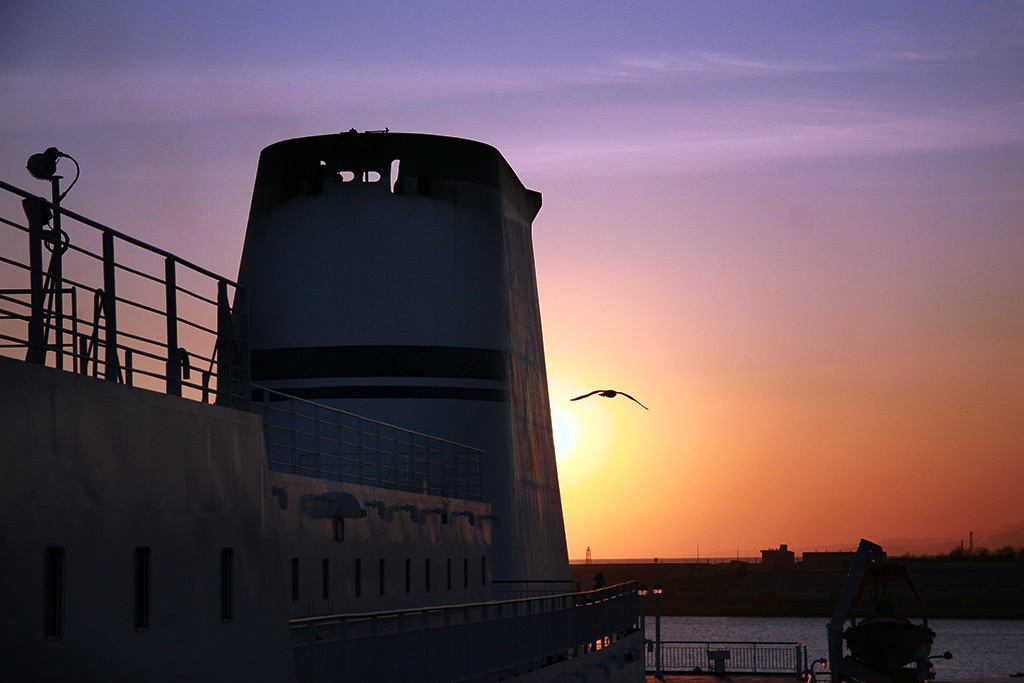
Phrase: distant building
(778, 558)
(828, 561)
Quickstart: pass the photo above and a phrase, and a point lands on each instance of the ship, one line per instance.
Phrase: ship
(884, 646)
(338, 466)
(884, 639)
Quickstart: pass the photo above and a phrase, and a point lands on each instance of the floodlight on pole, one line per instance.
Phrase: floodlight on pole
(657, 590)
(43, 166)
(641, 590)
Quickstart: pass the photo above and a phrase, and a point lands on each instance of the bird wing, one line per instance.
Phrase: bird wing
(595, 391)
(623, 393)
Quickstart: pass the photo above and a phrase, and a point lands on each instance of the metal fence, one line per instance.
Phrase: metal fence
(80, 296)
(314, 440)
(731, 657)
(480, 641)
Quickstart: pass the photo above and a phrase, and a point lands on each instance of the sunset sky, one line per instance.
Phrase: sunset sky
(794, 230)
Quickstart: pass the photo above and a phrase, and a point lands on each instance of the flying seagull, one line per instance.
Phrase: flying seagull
(609, 393)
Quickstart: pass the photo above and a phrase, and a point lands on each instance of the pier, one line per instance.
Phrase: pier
(952, 590)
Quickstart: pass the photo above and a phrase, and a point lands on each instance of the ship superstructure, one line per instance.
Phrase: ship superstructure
(392, 275)
(338, 467)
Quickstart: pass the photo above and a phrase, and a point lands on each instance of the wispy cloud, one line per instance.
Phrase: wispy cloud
(162, 93)
(159, 92)
(714, 64)
(767, 132)
(626, 108)
(885, 57)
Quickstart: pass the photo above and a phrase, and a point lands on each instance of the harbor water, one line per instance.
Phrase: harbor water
(980, 647)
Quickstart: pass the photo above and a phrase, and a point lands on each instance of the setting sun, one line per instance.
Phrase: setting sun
(564, 432)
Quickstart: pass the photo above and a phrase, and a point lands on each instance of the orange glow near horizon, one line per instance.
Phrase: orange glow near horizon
(802, 408)
(737, 464)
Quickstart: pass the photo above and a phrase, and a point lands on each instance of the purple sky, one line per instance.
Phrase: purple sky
(792, 229)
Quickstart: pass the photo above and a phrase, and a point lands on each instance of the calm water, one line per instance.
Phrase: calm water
(980, 647)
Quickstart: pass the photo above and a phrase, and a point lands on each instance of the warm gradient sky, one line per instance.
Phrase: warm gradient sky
(794, 230)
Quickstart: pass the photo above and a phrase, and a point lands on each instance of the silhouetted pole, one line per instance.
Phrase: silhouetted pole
(43, 166)
(57, 276)
(657, 590)
(641, 590)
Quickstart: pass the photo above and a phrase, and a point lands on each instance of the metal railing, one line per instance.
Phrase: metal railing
(731, 657)
(479, 641)
(315, 440)
(80, 296)
(109, 305)
(530, 588)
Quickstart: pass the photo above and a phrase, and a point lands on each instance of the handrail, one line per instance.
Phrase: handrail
(130, 322)
(730, 642)
(580, 597)
(120, 235)
(505, 639)
(130, 314)
(732, 656)
(312, 439)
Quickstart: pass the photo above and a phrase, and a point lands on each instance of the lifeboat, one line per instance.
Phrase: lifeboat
(885, 640)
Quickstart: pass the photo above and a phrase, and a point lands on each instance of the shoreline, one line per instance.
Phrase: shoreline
(948, 590)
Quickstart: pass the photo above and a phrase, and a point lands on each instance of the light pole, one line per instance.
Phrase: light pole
(43, 166)
(657, 590)
(641, 590)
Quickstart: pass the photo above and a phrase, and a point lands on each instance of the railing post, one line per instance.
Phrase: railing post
(36, 332)
(240, 327)
(380, 456)
(173, 371)
(317, 449)
(57, 276)
(296, 459)
(360, 460)
(224, 345)
(112, 369)
(128, 367)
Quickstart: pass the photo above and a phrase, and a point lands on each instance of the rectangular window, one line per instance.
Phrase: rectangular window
(381, 577)
(359, 577)
(142, 556)
(327, 579)
(295, 579)
(408, 575)
(449, 573)
(227, 560)
(426, 575)
(53, 592)
(483, 570)
(465, 572)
